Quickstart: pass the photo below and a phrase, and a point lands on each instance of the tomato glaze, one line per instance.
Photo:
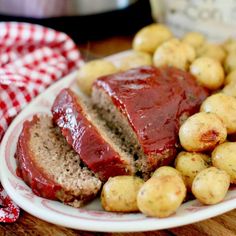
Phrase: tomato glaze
(155, 102)
(28, 170)
(85, 139)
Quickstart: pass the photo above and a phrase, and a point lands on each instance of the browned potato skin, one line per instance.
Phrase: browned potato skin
(201, 132)
(161, 196)
(224, 158)
(211, 185)
(189, 164)
(119, 193)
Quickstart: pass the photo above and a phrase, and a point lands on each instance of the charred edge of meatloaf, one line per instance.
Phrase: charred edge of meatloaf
(120, 126)
(60, 163)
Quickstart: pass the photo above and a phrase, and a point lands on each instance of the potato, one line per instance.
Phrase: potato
(225, 107)
(90, 71)
(150, 37)
(213, 51)
(230, 45)
(230, 77)
(211, 185)
(189, 52)
(161, 196)
(230, 89)
(166, 170)
(132, 60)
(119, 193)
(194, 39)
(208, 72)
(206, 158)
(230, 62)
(224, 158)
(202, 132)
(189, 165)
(174, 53)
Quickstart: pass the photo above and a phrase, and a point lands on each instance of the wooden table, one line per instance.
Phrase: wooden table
(28, 225)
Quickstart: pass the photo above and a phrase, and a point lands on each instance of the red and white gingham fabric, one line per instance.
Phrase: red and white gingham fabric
(31, 58)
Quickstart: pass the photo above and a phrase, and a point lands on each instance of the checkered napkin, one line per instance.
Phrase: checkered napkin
(31, 58)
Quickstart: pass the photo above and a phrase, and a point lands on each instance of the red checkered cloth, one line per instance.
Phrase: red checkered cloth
(31, 58)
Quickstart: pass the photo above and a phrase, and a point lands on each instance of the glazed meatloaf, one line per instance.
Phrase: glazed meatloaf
(146, 106)
(51, 167)
(89, 138)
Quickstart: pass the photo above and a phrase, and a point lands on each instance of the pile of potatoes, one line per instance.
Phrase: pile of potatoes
(206, 166)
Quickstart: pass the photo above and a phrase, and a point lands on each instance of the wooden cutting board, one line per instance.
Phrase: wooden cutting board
(224, 225)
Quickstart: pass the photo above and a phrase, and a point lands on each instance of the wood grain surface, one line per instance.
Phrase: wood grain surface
(224, 225)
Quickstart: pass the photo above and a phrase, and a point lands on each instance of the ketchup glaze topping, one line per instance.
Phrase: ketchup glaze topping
(85, 139)
(155, 101)
(27, 169)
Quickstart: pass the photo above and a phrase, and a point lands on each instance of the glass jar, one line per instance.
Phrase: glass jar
(214, 18)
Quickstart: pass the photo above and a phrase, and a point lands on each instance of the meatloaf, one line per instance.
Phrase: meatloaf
(89, 138)
(51, 167)
(146, 106)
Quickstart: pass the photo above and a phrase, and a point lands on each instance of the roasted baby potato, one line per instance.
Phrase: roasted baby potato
(194, 39)
(174, 53)
(207, 159)
(161, 196)
(230, 62)
(189, 164)
(90, 71)
(150, 37)
(132, 60)
(211, 185)
(224, 158)
(202, 132)
(119, 193)
(230, 77)
(208, 72)
(230, 89)
(230, 45)
(166, 170)
(225, 107)
(189, 52)
(213, 51)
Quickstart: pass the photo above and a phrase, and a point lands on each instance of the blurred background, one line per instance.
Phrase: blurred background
(86, 20)
(114, 22)
(83, 20)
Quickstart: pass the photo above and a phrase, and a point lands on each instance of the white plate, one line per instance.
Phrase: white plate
(91, 217)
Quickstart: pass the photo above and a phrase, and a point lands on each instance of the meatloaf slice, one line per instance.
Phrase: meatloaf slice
(89, 138)
(51, 167)
(146, 106)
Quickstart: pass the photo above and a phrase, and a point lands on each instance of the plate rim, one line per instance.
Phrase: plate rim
(89, 225)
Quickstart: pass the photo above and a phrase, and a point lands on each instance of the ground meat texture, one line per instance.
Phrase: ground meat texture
(88, 138)
(51, 167)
